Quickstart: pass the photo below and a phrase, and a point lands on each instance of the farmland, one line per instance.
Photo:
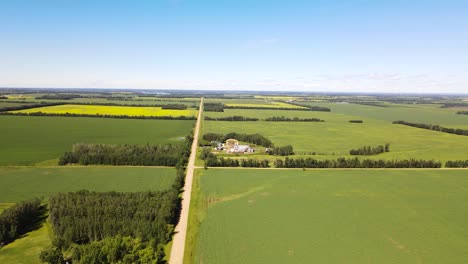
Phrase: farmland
(330, 216)
(334, 139)
(108, 110)
(336, 136)
(30, 140)
(21, 183)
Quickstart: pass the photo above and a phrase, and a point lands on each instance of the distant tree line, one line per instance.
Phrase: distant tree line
(231, 118)
(134, 155)
(19, 219)
(457, 164)
(455, 131)
(101, 116)
(377, 104)
(269, 119)
(368, 150)
(3, 97)
(281, 151)
(256, 139)
(26, 106)
(213, 107)
(294, 119)
(356, 121)
(462, 112)
(66, 96)
(449, 105)
(309, 107)
(174, 106)
(355, 163)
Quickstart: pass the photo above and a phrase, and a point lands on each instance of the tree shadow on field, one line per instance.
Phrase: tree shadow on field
(38, 222)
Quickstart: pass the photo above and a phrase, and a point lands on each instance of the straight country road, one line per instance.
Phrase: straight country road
(178, 245)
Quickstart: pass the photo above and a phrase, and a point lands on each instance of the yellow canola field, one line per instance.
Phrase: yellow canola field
(109, 110)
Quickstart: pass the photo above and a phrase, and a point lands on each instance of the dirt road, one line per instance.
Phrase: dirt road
(178, 245)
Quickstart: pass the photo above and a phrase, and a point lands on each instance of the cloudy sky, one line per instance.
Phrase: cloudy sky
(355, 45)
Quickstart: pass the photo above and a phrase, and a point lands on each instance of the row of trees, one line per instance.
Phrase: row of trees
(449, 105)
(256, 139)
(294, 119)
(66, 96)
(456, 131)
(174, 106)
(309, 107)
(355, 163)
(281, 151)
(19, 219)
(457, 164)
(368, 150)
(134, 155)
(462, 112)
(98, 115)
(356, 121)
(270, 119)
(231, 118)
(26, 106)
(213, 161)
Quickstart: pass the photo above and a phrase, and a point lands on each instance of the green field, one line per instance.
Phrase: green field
(26, 250)
(108, 110)
(20, 183)
(418, 113)
(329, 216)
(30, 140)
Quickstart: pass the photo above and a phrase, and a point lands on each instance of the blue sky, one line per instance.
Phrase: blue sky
(356, 45)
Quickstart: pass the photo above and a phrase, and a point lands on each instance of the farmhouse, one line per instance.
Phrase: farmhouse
(232, 146)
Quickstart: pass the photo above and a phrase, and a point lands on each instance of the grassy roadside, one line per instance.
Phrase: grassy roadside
(196, 216)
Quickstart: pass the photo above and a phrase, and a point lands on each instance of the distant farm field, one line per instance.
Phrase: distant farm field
(429, 114)
(329, 216)
(109, 110)
(20, 183)
(27, 140)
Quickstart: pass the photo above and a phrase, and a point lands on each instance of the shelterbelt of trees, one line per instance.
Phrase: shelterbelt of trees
(112, 227)
(26, 106)
(355, 163)
(462, 112)
(269, 119)
(19, 219)
(457, 164)
(134, 155)
(231, 118)
(213, 161)
(294, 119)
(456, 131)
(98, 115)
(368, 150)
